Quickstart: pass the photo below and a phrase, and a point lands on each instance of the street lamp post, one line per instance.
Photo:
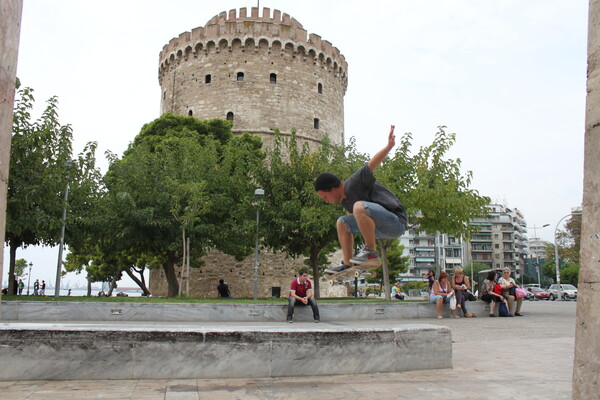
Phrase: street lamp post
(556, 259)
(61, 245)
(537, 255)
(257, 192)
(29, 277)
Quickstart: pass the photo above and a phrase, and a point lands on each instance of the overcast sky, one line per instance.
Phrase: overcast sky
(507, 76)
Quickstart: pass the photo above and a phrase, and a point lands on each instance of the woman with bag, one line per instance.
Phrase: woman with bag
(509, 287)
(487, 292)
(461, 286)
(441, 293)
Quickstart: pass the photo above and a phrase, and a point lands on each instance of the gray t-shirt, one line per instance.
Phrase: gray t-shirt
(362, 186)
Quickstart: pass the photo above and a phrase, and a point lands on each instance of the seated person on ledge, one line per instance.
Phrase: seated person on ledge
(396, 292)
(441, 292)
(508, 286)
(487, 292)
(301, 293)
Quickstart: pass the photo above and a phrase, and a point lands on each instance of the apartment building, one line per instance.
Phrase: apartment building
(500, 242)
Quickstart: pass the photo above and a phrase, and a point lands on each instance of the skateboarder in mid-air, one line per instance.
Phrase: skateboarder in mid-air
(373, 210)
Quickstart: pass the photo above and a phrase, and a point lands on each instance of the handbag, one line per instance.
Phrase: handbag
(497, 289)
(503, 310)
(520, 293)
(470, 296)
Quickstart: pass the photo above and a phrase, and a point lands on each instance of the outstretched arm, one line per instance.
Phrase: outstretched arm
(381, 154)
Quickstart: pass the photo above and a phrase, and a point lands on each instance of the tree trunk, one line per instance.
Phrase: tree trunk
(113, 284)
(140, 282)
(89, 287)
(172, 283)
(314, 258)
(384, 269)
(11, 269)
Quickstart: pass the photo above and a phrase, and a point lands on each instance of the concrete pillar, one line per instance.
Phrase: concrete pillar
(586, 369)
(10, 27)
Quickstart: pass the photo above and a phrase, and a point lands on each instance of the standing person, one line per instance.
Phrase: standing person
(21, 286)
(508, 286)
(430, 276)
(373, 210)
(460, 284)
(43, 288)
(487, 292)
(36, 287)
(301, 292)
(223, 289)
(441, 294)
(397, 292)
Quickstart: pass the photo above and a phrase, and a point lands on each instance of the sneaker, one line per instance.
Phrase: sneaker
(335, 270)
(366, 256)
(290, 320)
(317, 321)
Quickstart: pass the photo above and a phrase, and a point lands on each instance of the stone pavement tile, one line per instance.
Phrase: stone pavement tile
(15, 395)
(182, 389)
(182, 396)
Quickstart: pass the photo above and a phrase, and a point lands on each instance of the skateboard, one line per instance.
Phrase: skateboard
(355, 271)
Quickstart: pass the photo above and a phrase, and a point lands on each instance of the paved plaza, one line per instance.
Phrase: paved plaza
(528, 357)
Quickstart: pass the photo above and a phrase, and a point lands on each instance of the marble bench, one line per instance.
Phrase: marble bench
(214, 312)
(65, 351)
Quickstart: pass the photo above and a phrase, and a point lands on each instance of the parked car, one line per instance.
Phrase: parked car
(537, 293)
(568, 292)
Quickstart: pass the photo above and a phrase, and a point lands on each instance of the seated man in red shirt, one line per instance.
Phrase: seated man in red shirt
(301, 292)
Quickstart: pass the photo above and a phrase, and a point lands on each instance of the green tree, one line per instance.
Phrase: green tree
(182, 177)
(570, 274)
(437, 195)
(20, 266)
(296, 220)
(39, 171)
(568, 240)
(397, 264)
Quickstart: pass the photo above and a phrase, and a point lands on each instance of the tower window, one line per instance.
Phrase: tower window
(207, 78)
(273, 78)
(240, 76)
(320, 88)
(229, 116)
(316, 123)
(164, 94)
(190, 113)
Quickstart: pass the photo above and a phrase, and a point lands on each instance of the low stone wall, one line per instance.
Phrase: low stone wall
(67, 351)
(214, 312)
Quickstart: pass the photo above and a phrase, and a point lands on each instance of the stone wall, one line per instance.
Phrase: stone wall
(276, 273)
(586, 367)
(10, 27)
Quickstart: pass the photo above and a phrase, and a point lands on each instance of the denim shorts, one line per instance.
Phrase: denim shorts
(387, 224)
(435, 297)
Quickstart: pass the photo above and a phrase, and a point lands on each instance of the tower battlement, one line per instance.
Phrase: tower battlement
(279, 30)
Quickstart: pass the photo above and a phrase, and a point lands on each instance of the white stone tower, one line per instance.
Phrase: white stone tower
(261, 72)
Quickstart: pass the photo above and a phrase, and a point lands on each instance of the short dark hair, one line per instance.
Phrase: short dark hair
(221, 281)
(302, 272)
(442, 276)
(491, 276)
(326, 182)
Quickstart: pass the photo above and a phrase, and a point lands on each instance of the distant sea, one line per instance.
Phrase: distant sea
(83, 292)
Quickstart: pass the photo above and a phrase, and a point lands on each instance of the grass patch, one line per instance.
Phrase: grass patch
(188, 300)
